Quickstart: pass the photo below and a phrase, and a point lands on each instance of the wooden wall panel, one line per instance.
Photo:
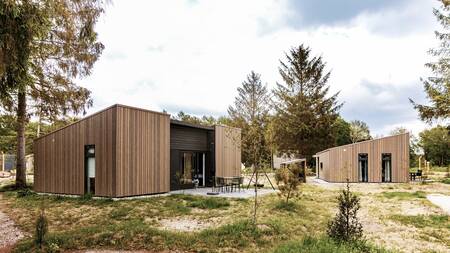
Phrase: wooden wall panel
(227, 151)
(142, 151)
(340, 163)
(59, 156)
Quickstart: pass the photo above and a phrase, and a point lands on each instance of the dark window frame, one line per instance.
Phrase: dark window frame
(364, 177)
(386, 157)
(88, 155)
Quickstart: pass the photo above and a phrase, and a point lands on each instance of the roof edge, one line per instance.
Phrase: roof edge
(351, 144)
(96, 113)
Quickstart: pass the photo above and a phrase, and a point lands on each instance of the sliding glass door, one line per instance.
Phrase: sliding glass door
(193, 168)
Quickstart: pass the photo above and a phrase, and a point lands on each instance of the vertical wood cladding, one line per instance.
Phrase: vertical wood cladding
(142, 151)
(340, 163)
(59, 156)
(131, 153)
(227, 151)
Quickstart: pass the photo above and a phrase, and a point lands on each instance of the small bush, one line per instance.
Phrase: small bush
(288, 181)
(346, 226)
(41, 229)
(210, 203)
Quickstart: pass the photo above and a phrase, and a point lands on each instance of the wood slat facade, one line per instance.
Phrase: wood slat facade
(228, 151)
(59, 156)
(339, 163)
(142, 152)
(132, 153)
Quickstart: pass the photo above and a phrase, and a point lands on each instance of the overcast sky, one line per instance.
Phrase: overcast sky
(192, 55)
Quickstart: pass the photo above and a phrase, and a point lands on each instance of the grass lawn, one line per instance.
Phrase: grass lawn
(224, 225)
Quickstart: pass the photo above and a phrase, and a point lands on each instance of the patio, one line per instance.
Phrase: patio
(242, 194)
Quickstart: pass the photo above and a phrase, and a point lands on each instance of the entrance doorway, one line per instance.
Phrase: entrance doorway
(89, 162)
(193, 168)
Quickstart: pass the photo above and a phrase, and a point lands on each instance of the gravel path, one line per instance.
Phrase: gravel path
(9, 233)
(440, 200)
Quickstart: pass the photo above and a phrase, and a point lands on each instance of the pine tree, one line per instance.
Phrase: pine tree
(304, 111)
(346, 226)
(437, 87)
(44, 46)
(250, 113)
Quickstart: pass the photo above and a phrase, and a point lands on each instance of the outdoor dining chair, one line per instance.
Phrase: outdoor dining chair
(235, 183)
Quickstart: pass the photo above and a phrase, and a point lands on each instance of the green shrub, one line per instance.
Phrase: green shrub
(288, 181)
(346, 226)
(41, 229)
(210, 203)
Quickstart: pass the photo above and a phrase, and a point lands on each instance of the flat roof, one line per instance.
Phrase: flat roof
(187, 124)
(351, 144)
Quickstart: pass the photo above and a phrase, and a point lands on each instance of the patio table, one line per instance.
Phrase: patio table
(228, 183)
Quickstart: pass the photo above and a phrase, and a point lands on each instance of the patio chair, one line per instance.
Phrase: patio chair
(241, 182)
(419, 174)
(235, 183)
(219, 183)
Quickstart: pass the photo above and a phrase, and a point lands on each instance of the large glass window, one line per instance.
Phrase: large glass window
(386, 167)
(363, 167)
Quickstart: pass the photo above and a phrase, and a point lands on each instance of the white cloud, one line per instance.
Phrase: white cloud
(193, 55)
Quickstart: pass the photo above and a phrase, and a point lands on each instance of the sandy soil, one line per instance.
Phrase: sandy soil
(187, 224)
(374, 212)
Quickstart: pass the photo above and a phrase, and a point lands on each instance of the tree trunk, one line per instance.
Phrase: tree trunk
(21, 175)
(256, 197)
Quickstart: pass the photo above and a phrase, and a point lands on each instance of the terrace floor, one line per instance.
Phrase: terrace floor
(242, 194)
